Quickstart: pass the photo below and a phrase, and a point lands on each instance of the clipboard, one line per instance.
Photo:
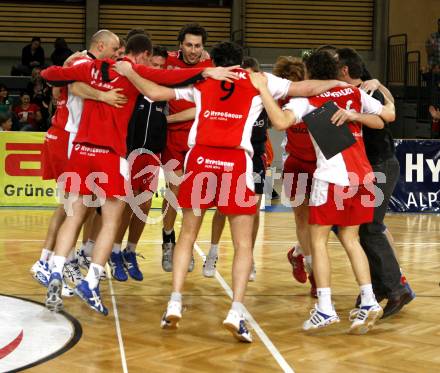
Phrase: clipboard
(331, 139)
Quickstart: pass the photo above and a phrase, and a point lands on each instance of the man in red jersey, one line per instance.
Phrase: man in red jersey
(192, 38)
(58, 146)
(218, 169)
(342, 188)
(97, 167)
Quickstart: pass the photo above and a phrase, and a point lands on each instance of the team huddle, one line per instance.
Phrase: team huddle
(126, 108)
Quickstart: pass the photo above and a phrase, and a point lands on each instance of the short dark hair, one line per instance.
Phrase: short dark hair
(136, 31)
(159, 50)
(348, 57)
(2, 86)
(193, 29)
(322, 65)
(227, 54)
(36, 38)
(137, 44)
(4, 117)
(251, 63)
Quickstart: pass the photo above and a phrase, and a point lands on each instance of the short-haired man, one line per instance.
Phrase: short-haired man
(192, 38)
(341, 192)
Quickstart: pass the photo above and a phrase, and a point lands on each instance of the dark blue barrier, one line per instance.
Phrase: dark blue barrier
(418, 189)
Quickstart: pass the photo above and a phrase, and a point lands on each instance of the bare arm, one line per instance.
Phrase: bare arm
(280, 119)
(308, 88)
(56, 91)
(112, 97)
(369, 120)
(183, 116)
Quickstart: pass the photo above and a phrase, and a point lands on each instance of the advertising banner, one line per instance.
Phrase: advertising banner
(20, 180)
(418, 189)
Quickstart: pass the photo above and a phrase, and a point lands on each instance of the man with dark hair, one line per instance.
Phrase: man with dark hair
(32, 56)
(100, 147)
(218, 169)
(336, 179)
(136, 31)
(192, 38)
(146, 138)
(379, 145)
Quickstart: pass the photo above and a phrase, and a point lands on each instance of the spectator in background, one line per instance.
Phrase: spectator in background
(61, 52)
(29, 115)
(40, 94)
(32, 56)
(433, 50)
(5, 102)
(435, 126)
(5, 121)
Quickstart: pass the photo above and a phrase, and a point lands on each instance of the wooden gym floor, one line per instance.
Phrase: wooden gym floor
(133, 341)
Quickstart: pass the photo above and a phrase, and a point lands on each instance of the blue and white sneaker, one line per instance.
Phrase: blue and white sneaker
(91, 296)
(319, 319)
(236, 324)
(364, 318)
(72, 272)
(41, 273)
(116, 263)
(83, 260)
(54, 301)
(130, 262)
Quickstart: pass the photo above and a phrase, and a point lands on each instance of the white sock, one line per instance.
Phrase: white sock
(131, 246)
(72, 256)
(93, 275)
(213, 251)
(325, 301)
(298, 250)
(45, 255)
(176, 297)
(88, 248)
(308, 264)
(367, 295)
(237, 306)
(58, 264)
(168, 232)
(116, 248)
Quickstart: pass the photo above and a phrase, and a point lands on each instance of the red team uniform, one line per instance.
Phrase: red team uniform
(177, 133)
(347, 174)
(218, 168)
(300, 159)
(58, 141)
(100, 145)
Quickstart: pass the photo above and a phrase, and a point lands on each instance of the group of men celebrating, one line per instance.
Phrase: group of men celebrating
(110, 136)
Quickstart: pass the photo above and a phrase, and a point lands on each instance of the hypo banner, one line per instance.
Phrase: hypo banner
(418, 189)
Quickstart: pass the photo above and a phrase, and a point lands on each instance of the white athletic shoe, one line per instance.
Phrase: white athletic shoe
(73, 273)
(236, 324)
(209, 266)
(253, 274)
(319, 319)
(40, 271)
(83, 260)
(364, 318)
(171, 317)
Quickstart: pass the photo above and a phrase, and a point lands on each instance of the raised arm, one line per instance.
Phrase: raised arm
(307, 88)
(280, 119)
(112, 97)
(148, 88)
(59, 76)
